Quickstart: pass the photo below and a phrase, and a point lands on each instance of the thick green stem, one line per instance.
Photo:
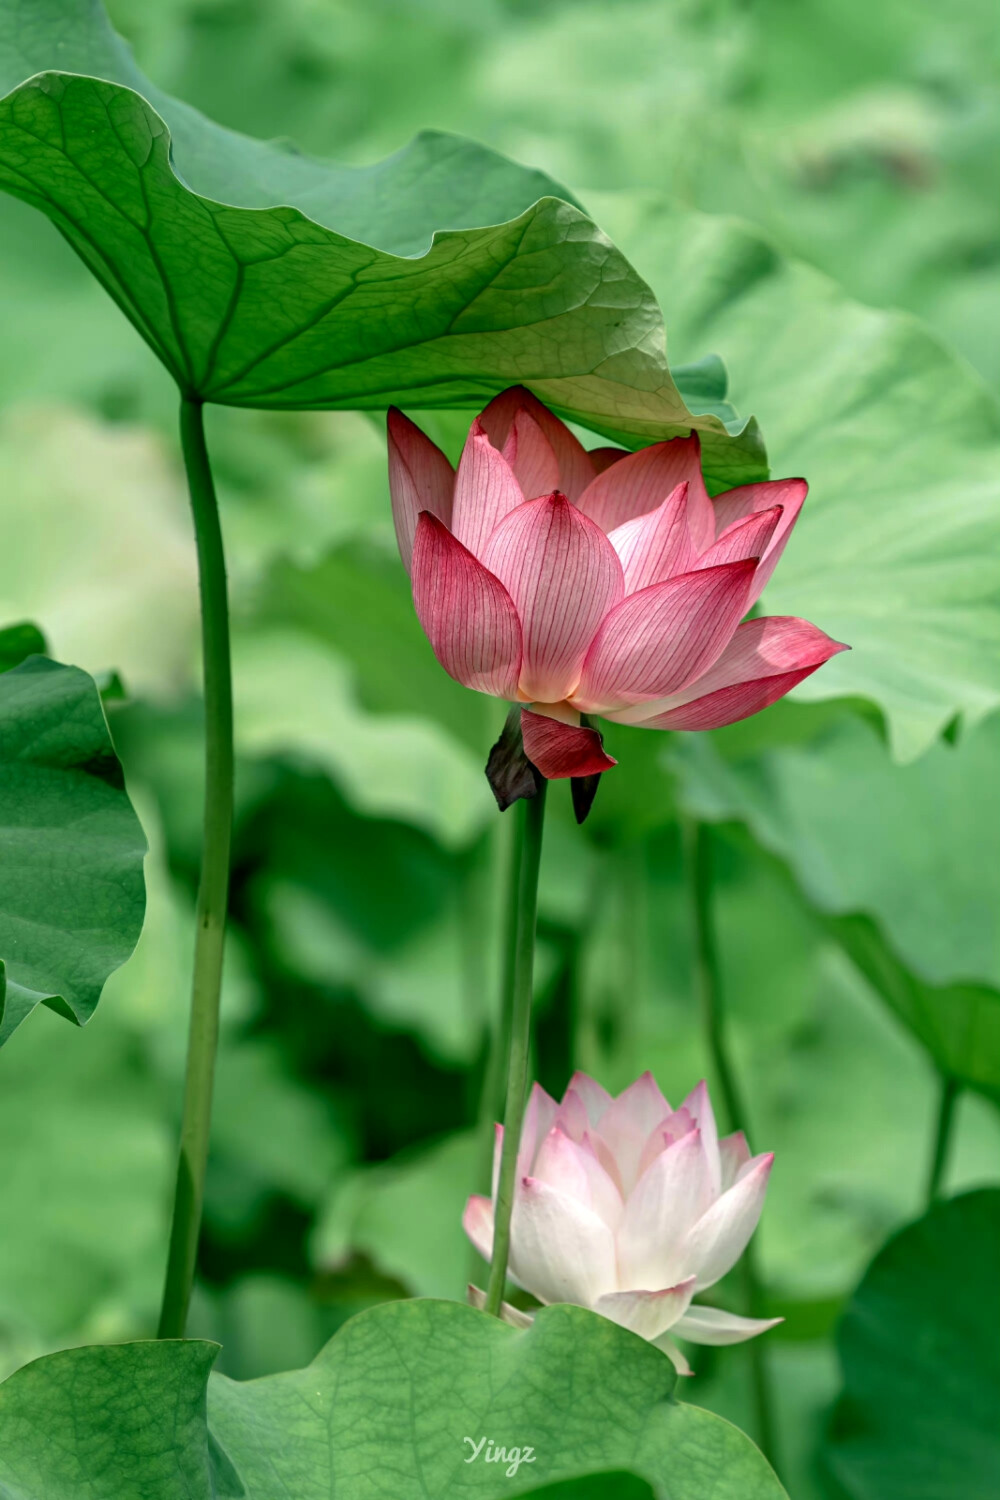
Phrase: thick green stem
(519, 961)
(213, 888)
(708, 985)
(942, 1138)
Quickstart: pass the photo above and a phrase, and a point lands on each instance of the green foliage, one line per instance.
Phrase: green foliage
(423, 1377)
(918, 919)
(901, 447)
(921, 1363)
(72, 893)
(263, 278)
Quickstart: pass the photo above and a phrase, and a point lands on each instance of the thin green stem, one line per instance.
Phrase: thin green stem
(213, 888)
(519, 961)
(942, 1138)
(708, 986)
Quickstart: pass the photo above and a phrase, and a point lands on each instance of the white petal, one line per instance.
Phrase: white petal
(710, 1325)
(595, 1098)
(734, 1154)
(560, 1250)
(670, 1349)
(668, 1199)
(538, 1120)
(649, 1314)
(699, 1106)
(717, 1241)
(576, 1171)
(476, 1297)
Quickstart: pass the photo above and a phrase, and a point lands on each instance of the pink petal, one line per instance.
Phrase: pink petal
(564, 1165)
(659, 640)
(420, 478)
(627, 1123)
(746, 538)
(734, 1153)
(575, 468)
(467, 614)
(560, 1250)
(530, 455)
(559, 750)
(699, 1106)
(718, 1239)
(649, 1314)
(670, 1197)
(477, 1221)
(571, 1116)
(603, 458)
(710, 1325)
(563, 576)
(764, 660)
(595, 1098)
(539, 1117)
(641, 481)
(748, 499)
(657, 545)
(485, 491)
(669, 1130)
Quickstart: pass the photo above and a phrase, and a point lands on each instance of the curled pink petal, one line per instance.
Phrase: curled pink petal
(747, 538)
(765, 659)
(716, 1242)
(649, 1314)
(659, 640)
(420, 478)
(575, 467)
(466, 613)
(641, 481)
(559, 750)
(563, 576)
(747, 500)
(711, 1325)
(531, 457)
(485, 491)
(657, 545)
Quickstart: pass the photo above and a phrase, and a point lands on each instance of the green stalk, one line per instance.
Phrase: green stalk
(213, 887)
(942, 1138)
(697, 841)
(519, 961)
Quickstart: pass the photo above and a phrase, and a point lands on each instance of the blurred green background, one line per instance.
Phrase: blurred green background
(856, 898)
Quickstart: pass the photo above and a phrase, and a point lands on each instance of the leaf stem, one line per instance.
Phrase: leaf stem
(519, 963)
(697, 841)
(213, 888)
(942, 1137)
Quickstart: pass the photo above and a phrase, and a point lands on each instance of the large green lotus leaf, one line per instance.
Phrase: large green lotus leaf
(261, 277)
(71, 888)
(920, 920)
(895, 552)
(921, 1362)
(385, 1408)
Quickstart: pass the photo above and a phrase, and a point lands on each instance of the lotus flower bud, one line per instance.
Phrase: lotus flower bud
(629, 1207)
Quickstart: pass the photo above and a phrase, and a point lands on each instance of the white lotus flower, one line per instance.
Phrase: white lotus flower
(629, 1207)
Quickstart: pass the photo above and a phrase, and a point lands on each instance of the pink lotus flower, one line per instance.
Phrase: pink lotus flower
(599, 582)
(629, 1207)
